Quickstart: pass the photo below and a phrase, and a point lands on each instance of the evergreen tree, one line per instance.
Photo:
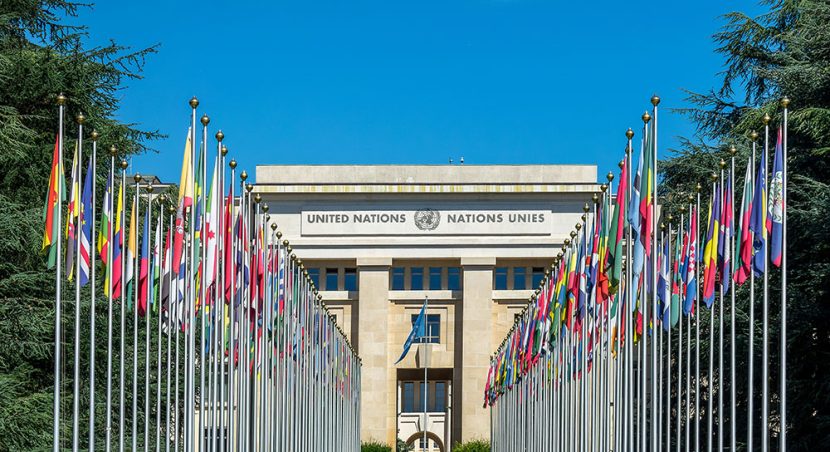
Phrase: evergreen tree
(784, 52)
(41, 55)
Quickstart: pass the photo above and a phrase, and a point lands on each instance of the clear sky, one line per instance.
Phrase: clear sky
(494, 81)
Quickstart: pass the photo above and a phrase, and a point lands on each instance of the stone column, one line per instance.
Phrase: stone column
(377, 392)
(474, 320)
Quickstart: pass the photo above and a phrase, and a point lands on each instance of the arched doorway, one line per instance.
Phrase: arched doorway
(416, 437)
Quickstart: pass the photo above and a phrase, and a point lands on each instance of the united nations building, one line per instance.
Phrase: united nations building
(379, 240)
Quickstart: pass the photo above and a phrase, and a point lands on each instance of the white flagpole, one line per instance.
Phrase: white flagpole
(655, 100)
(171, 289)
(147, 319)
(203, 417)
(697, 311)
(189, 314)
(157, 302)
(92, 253)
(122, 296)
(76, 381)
(765, 310)
(56, 395)
(711, 375)
(111, 201)
(785, 102)
(136, 275)
(750, 422)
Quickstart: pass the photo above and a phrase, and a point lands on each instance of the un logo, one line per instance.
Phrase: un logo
(427, 219)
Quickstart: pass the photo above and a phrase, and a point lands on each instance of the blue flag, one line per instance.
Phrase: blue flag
(418, 331)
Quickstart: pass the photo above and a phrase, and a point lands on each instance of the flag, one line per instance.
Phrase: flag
(131, 254)
(102, 244)
(677, 280)
(726, 227)
(758, 224)
(615, 250)
(85, 219)
(743, 245)
(211, 227)
(166, 270)
(775, 212)
(185, 200)
(156, 266)
(690, 266)
(634, 217)
(418, 331)
(664, 285)
(117, 245)
(55, 195)
(710, 253)
(144, 267)
(73, 210)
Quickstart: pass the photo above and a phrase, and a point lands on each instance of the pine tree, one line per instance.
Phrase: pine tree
(41, 55)
(784, 52)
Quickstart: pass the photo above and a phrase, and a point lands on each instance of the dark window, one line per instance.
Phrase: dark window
(397, 278)
(416, 278)
(501, 278)
(432, 331)
(439, 402)
(350, 279)
(314, 273)
(434, 278)
(331, 279)
(537, 275)
(519, 278)
(408, 397)
(454, 278)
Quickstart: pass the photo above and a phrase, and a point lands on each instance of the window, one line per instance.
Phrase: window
(350, 279)
(434, 278)
(501, 278)
(314, 273)
(397, 278)
(537, 275)
(454, 278)
(408, 403)
(331, 279)
(519, 278)
(416, 278)
(432, 329)
(439, 401)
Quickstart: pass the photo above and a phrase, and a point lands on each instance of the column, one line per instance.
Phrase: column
(471, 420)
(371, 330)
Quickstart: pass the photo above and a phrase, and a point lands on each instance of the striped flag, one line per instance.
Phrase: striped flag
(117, 245)
(131, 254)
(775, 214)
(55, 195)
(758, 215)
(743, 245)
(185, 200)
(85, 219)
(102, 245)
(710, 250)
(73, 211)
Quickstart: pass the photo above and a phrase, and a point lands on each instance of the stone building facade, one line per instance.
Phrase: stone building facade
(379, 239)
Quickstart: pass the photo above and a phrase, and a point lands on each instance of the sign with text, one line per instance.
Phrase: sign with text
(426, 221)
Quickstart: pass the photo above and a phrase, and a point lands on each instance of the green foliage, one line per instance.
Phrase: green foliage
(403, 447)
(786, 51)
(477, 445)
(375, 446)
(41, 55)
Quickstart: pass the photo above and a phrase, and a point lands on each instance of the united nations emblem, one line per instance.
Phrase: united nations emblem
(427, 219)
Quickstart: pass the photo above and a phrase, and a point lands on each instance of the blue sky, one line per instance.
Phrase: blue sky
(497, 82)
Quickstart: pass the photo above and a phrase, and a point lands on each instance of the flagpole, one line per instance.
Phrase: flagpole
(135, 277)
(92, 298)
(231, 407)
(628, 414)
(785, 102)
(122, 296)
(765, 310)
(655, 100)
(426, 382)
(220, 291)
(76, 196)
(202, 289)
(690, 252)
(149, 222)
(679, 423)
(190, 300)
(110, 263)
(170, 291)
(697, 312)
(727, 265)
(711, 375)
(159, 259)
(751, 359)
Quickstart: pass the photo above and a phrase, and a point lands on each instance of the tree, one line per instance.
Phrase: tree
(784, 52)
(41, 55)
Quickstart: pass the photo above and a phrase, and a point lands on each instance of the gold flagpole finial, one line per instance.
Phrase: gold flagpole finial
(137, 177)
(264, 205)
(80, 118)
(224, 150)
(586, 208)
(249, 187)
(603, 187)
(205, 120)
(766, 118)
(124, 164)
(609, 176)
(785, 102)
(257, 197)
(61, 99)
(194, 102)
(279, 234)
(646, 118)
(714, 176)
(753, 135)
(243, 175)
(698, 187)
(655, 100)
(722, 163)
(595, 198)
(220, 136)
(733, 150)
(629, 133)
(94, 135)
(273, 226)
(113, 150)
(232, 163)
